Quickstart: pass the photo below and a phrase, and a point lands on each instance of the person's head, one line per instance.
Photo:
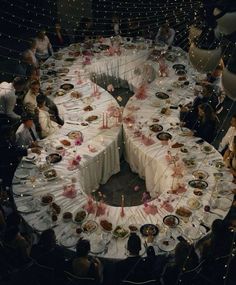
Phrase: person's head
(134, 244)
(206, 112)
(41, 34)
(48, 239)
(185, 256)
(41, 99)
(19, 83)
(82, 248)
(27, 120)
(32, 44)
(233, 121)
(35, 87)
(165, 28)
(57, 26)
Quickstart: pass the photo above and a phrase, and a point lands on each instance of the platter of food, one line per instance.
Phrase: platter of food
(89, 226)
(106, 225)
(149, 229)
(162, 95)
(80, 216)
(73, 135)
(53, 158)
(47, 199)
(120, 232)
(156, 128)
(178, 66)
(67, 217)
(194, 203)
(67, 86)
(207, 149)
(183, 212)
(200, 174)
(171, 221)
(50, 174)
(198, 183)
(163, 136)
(91, 118)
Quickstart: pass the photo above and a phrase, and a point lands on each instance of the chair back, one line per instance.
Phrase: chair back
(71, 279)
(147, 282)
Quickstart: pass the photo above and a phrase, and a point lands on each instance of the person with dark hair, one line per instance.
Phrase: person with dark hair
(165, 35)
(30, 103)
(207, 95)
(43, 46)
(59, 38)
(10, 153)
(185, 259)
(8, 96)
(134, 267)
(85, 30)
(26, 135)
(47, 126)
(48, 253)
(206, 124)
(82, 265)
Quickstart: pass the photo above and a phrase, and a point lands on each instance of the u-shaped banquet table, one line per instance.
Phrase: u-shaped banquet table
(184, 179)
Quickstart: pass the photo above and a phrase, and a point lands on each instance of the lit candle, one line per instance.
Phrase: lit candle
(106, 120)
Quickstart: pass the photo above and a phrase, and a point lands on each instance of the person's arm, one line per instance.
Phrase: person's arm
(225, 140)
(171, 38)
(44, 124)
(50, 49)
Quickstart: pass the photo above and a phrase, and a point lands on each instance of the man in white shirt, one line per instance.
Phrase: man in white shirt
(48, 127)
(228, 139)
(26, 135)
(43, 46)
(8, 97)
(165, 35)
(28, 55)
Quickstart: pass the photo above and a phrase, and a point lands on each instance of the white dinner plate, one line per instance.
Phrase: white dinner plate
(167, 244)
(69, 241)
(21, 173)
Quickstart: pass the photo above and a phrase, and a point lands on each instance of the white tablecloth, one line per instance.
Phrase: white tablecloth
(149, 161)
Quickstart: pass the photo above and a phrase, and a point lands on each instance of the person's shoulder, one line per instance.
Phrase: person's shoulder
(20, 129)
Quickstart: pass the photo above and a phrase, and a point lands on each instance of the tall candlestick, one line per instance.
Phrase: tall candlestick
(103, 120)
(106, 120)
(122, 213)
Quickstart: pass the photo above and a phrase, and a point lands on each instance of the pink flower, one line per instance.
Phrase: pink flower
(78, 158)
(79, 141)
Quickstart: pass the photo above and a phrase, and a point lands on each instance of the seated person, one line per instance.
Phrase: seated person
(165, 35)
(47, 126)
(28, 56)
(189, 112)
(228, 139)
(10, 153)
(84, 266)
(185, 259)
(48, 253)
(29, 101)
(134, 267)
(43, 46)
(206, 124)
(26, 135)
(59, 38)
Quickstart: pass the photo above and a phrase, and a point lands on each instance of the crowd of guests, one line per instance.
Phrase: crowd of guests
(30, 258)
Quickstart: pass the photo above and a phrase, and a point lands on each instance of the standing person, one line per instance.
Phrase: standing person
(8, 97)
(43, 46)
(227, 141)
(29, 57)
(115, 25)
(59, 38)
(165, 35)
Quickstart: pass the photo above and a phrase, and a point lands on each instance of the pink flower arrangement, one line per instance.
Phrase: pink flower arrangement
(150, 210)
(70, 191)
(141, 93)
(74, 163)
(79, 141)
